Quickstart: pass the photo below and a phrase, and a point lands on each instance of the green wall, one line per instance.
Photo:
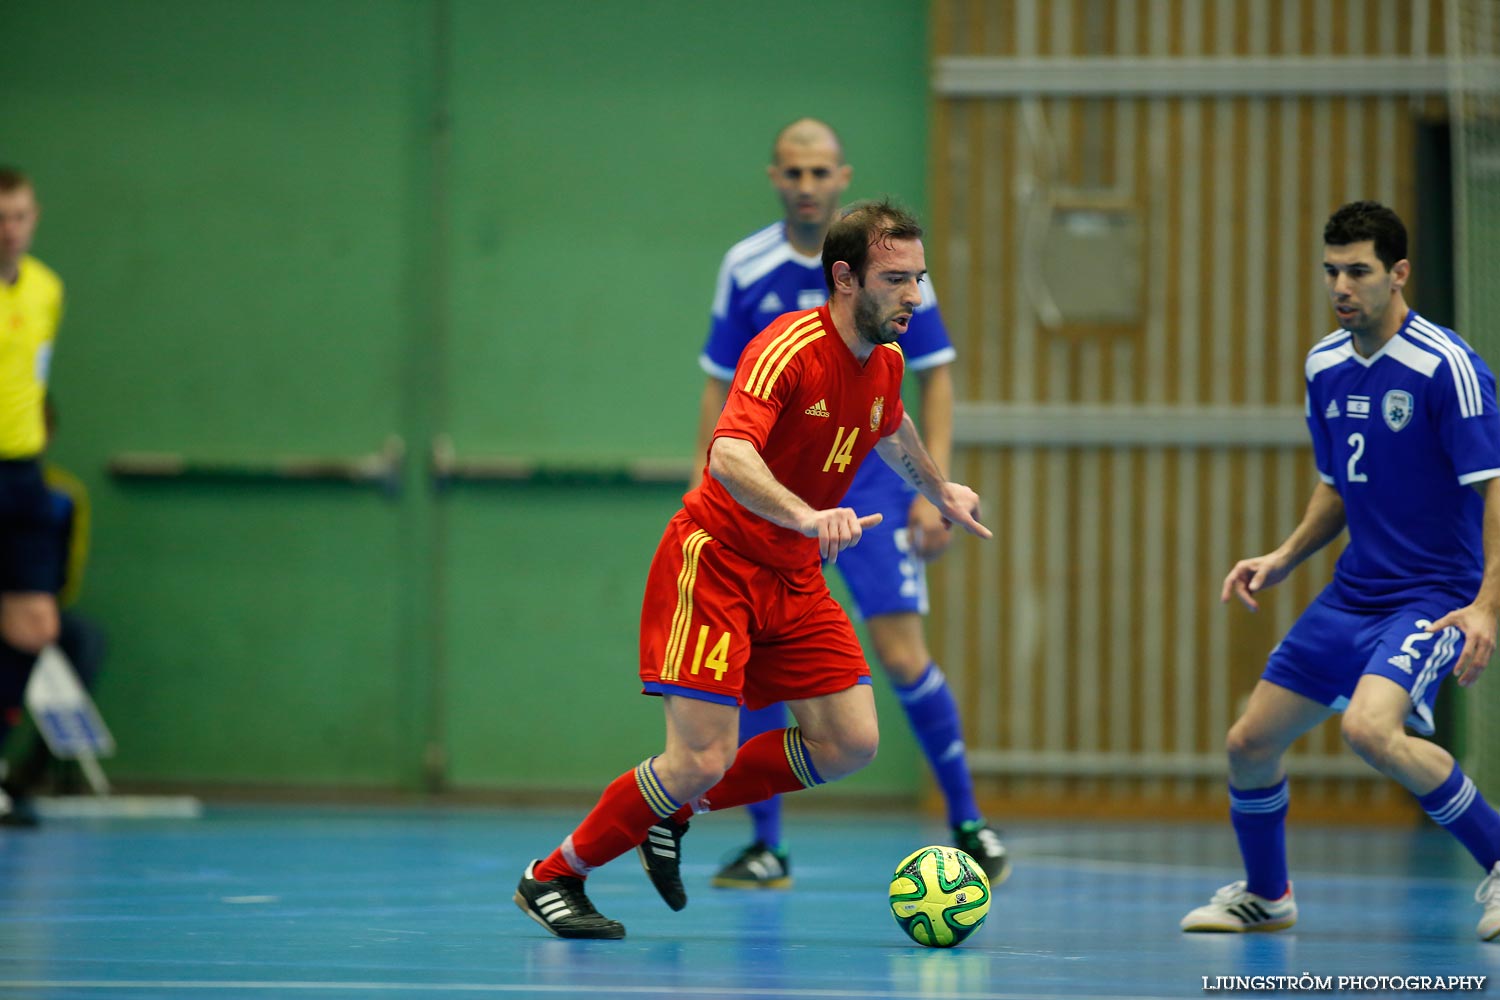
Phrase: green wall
(299, 227)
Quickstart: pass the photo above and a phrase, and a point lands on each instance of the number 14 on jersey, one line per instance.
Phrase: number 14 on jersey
(842, 452)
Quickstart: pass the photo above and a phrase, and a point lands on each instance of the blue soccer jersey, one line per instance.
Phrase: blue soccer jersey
(1404, 436)
(764, 276)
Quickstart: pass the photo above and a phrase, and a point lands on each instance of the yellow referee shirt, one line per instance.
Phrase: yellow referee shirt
(29, 313)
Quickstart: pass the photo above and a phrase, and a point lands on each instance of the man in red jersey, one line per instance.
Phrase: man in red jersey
(736, 608)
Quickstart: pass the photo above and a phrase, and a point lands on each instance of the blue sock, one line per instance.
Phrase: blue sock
(766, 815)
(1458, 807)
(933, 714)
(1259, 818)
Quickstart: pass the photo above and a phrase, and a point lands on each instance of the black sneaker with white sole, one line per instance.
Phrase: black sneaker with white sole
(562, 907)
(661, 856)
(756, 867)
(979, 841)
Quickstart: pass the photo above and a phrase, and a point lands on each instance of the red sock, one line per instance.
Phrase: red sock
(769, 764)
(630, 806)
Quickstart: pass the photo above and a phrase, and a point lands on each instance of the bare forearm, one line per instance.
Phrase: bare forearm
(1489, 588)
(1321, 524)
(937, 413)
(736, 464)
(904, 452)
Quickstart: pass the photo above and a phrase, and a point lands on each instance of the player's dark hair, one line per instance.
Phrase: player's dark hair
(1368, 220)
(13, 179)
(861, 226)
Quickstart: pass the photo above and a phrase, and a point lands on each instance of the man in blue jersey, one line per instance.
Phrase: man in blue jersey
(1407, 442)
(777, 270)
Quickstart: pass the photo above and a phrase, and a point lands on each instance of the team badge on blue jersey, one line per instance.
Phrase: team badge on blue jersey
(1396, 407)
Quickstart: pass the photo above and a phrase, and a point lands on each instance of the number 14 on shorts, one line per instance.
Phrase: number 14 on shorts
(718, 656)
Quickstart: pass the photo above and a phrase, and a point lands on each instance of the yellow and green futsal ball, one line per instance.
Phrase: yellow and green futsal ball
(939, 896)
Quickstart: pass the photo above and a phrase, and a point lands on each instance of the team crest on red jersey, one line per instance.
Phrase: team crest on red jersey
(876, 410)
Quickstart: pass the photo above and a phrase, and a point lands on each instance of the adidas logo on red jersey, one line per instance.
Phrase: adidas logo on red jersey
(818, 409)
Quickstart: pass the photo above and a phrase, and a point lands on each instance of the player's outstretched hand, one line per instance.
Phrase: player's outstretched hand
(960, 506)
(1250, 576)
(1478, 627)
(836, 529)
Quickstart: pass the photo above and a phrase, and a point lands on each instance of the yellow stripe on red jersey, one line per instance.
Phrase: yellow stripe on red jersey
(813, 411)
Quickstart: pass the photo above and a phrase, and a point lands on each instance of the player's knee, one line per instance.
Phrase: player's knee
(903, 669)
(693, 772)
(900, 647)
(1248, 747)
(1367, 737)
(866, 749)
(710, 765)
(857, 747)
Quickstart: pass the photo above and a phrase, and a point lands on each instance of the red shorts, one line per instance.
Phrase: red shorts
(716, 626)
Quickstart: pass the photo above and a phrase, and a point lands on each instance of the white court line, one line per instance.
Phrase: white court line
(570, 988)
(1107, 867)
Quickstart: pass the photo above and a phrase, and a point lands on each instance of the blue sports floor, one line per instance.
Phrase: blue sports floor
(338, 904)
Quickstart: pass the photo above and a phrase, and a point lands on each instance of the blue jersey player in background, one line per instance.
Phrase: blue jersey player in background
(1407, 441)
(777, 270)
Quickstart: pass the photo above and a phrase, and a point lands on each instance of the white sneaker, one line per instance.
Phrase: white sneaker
(1488, 894)
(1235, 910)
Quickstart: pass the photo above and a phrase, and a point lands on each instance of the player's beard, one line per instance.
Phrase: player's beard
(867, 322)
(1364, 322)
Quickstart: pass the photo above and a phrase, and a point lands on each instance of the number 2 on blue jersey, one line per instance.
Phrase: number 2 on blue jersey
(1357, 442)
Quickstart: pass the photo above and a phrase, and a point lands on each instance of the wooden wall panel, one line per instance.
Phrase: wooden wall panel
(1092, 655)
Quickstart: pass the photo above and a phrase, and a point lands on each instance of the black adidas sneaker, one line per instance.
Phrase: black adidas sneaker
(562, 907)
(661, 856)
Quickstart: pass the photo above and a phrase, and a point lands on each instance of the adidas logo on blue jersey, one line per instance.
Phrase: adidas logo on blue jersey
(771, 304)
(1333, 409)
(1401, 661)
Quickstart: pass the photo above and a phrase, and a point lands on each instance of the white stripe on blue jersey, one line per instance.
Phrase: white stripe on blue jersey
(754, 268)
(1483, 475)
(757, 245)
(1327, 353)
(1335, 335)
(763, 276)
(1465, 379)
(1409, 354)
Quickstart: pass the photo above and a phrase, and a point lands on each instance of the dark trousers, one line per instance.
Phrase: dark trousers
(32, 545)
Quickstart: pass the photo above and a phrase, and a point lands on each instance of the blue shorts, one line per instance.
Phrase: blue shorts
(881, 573)
(1334, 644)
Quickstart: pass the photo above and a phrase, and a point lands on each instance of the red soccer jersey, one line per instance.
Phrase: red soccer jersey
(814, 413)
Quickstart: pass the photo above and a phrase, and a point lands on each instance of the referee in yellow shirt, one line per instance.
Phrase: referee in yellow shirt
(31, 299)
